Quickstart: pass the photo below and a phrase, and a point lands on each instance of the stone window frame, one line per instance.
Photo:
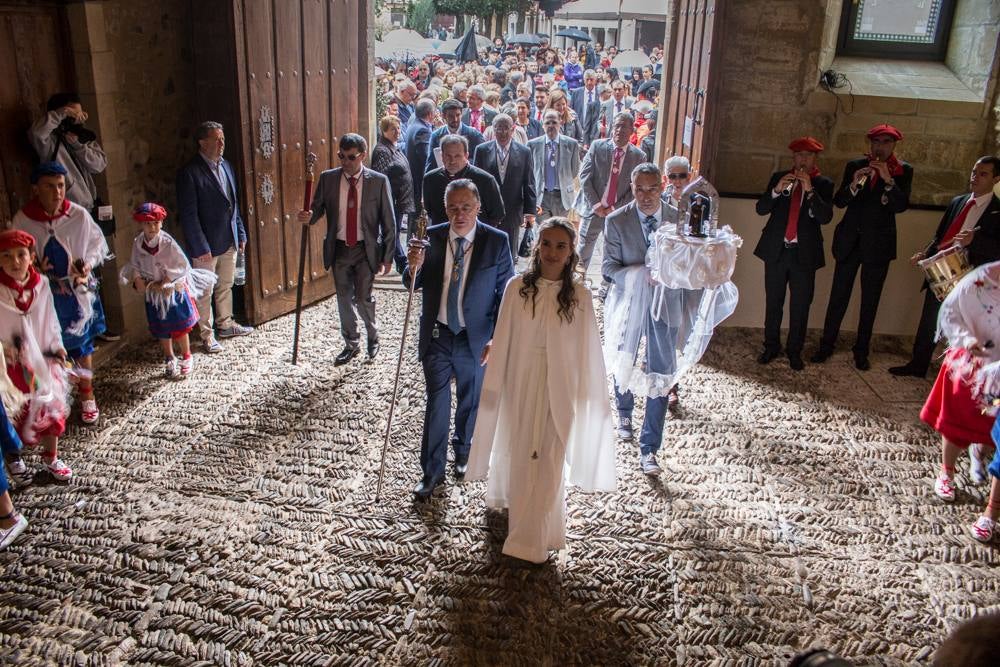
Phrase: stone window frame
(936, 50)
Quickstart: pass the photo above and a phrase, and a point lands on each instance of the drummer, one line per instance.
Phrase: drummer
(972, 220)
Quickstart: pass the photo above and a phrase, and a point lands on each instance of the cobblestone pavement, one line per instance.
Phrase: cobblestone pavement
(230, 520)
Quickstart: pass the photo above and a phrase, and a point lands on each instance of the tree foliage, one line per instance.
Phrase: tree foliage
(482, 7)
(419, 15)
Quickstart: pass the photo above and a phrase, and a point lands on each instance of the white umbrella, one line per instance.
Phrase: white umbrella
(449, 45)
(401, 52)
(403, 37)
(630, 59)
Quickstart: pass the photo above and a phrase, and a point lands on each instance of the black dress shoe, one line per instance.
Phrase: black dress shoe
(345, 356)
(373, 348)
(820, 356)
(461, 465)
(908, 370)
(768, 355)
(795, 361)
(422, 492)
(861, 362)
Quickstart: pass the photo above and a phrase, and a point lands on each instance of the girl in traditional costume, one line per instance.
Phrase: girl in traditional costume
(69, 245)
(544, 414)
(161, 271)
(34, 355)
(12, 524)
(958, 406)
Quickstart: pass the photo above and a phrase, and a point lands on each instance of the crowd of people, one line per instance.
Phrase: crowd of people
(536, 155)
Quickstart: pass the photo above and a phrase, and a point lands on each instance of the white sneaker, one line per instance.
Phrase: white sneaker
(944, 488)
(17, 467)
(172, 369)
(977, 471)
(59, 470)
(89, 414)
(8, 535)
(186, 366)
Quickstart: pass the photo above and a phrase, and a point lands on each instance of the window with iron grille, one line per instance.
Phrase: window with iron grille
(915, 29)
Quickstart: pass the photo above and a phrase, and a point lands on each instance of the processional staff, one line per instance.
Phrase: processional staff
(419, 233)
(304, 248)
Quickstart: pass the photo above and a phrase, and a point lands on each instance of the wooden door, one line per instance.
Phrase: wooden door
(301, 70)
(33, 65)
(690, 124)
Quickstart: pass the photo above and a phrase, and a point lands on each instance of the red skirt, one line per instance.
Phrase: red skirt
(952, 410)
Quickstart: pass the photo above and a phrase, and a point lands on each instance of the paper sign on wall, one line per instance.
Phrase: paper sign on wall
(688, 131)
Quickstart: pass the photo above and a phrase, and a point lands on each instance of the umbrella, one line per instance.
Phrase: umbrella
(575, 34)
(527, 39)
(466, 50)
(404, 37)
(630, 59)
(400, 52)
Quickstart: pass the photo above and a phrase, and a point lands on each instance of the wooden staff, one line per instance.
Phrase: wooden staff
(304, 248)
(418, 233)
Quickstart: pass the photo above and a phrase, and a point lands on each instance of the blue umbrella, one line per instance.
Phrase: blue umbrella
(575, 34)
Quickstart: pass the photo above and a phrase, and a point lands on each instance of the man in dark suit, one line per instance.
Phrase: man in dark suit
(418, 137)
(209, 214)
(455, 155)
(587, 105)
(451, 111)
(511, 166)
(478, 116)
(874, 189)
(798, 203)
(406, 92)
(462, 272)
(360, 233)
(972, 220)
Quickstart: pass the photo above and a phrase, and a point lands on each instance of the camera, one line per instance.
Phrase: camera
(70, 126)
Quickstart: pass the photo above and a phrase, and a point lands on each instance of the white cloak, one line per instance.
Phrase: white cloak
(170, 267)
(544, 416)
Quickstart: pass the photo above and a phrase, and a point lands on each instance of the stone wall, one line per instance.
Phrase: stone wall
(974, 26)
(774, 51)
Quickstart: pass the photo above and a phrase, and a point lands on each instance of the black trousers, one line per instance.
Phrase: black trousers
(923, 343)
(779, 276)
(872, 279)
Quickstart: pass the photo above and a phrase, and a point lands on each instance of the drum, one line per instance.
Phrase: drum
(945, 269)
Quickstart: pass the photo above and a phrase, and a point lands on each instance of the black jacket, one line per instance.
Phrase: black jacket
(869, 226)
(985, 245)
(816, 210)
(387, 159)
(436, 180)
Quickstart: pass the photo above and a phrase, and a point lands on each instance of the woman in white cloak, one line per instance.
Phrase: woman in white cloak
(544, 412)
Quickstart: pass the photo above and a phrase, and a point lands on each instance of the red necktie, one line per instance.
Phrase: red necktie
(352, 212)
(792, 227)
(611, 196)
(956, 224)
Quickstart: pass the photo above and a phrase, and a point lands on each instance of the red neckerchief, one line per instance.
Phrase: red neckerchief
(892, 164)
(33, 209)
(152, 250)
(24, 294)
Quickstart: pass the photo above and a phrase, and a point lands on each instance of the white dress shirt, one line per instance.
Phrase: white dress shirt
(449, 258)
(215, 166)
(342, 207)
(976, 212)
(642, 220)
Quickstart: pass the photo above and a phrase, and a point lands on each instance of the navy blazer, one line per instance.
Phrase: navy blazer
(490, 268)
(210, 221)
(471, 135)
(418, 137)
(532, 129)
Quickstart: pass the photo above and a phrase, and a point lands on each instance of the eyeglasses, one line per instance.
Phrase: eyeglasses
(677, 177)
(349, 158)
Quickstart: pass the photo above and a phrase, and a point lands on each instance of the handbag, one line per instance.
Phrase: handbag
(527, 240)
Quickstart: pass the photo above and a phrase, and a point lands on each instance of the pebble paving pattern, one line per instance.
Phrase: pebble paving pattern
(230, 519)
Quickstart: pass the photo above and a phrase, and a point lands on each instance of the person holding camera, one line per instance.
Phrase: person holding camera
(60, 136)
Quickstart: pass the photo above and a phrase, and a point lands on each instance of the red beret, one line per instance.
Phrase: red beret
(149, 212)
(888, 130)
(15, 238)
(805, 144)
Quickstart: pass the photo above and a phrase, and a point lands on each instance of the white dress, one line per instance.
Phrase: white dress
(544, 417)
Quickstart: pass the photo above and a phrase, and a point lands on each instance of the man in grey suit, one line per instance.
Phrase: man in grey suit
(556, 159)
(359, 239)
(604, 180)
(587, 105)
(478, 116)
(619, 102)
(511, 166)
(627, 237)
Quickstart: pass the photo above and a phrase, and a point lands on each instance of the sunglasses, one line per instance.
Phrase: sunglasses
(349, 158)
(675, 177)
